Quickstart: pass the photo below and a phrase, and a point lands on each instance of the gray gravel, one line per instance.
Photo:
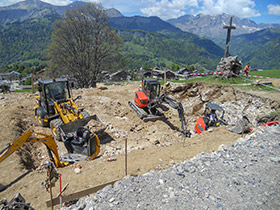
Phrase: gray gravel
(244, 175)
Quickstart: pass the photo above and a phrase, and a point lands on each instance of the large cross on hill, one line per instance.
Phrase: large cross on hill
(228, 36)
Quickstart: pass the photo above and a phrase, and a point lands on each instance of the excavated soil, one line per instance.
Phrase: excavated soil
(152, 145)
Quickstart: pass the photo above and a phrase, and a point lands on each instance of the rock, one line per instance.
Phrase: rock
(230, 63)
(275, 159)
(111, 200)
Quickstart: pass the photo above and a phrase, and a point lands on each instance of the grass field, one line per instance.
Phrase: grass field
(267, 73)
(25, 90)
(238, 81)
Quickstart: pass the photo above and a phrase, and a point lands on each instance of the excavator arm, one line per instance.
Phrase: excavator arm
(31, 136)
(176, 105)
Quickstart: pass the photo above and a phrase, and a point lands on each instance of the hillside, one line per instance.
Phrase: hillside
(149, 48)
(169, 45)
(25, 41)
(151, 24)
(259, 48)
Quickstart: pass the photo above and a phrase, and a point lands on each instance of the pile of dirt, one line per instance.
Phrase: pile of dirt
(152, 145)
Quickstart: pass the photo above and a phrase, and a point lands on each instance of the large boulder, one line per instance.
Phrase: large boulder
(230, 63)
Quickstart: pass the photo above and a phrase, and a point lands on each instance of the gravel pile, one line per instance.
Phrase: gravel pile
(244, 175)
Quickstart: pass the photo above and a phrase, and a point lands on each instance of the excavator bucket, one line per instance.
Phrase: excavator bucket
(93, 122)
(241, 126)
(80, 138)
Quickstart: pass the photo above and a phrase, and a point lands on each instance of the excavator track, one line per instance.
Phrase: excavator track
(142, 114)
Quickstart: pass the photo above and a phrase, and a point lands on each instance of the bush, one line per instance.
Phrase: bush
(27, 81)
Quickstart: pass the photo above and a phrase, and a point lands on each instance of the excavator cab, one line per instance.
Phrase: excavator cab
(152, 87)
(51, 91)
(55, 107)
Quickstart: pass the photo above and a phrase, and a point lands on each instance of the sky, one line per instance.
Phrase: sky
(260, 11)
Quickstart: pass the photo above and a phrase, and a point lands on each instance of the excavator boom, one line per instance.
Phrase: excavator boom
(31, 136)
(176, 105)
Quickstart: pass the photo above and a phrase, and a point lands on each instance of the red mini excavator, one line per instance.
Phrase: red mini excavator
(147, 104)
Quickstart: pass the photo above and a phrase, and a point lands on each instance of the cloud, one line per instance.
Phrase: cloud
(57, 2)
(166, 9)
(240, 8)
(4, 3)
(54, 2)
(273, 9)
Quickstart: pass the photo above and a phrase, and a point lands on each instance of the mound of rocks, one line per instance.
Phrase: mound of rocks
(243, 175)
(230, 63)
(236, 103)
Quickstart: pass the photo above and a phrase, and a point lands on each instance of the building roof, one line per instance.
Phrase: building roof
(49, 81)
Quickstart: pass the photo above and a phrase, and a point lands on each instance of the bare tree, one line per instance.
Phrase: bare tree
(83, 45)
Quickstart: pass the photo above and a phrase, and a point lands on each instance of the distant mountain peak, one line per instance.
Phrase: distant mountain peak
(112, 12)
(211, 26)
(30, 9)
(151, 24)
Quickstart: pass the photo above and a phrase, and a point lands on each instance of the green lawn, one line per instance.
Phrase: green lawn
(267, 73)
(25, 91)
(237, 81)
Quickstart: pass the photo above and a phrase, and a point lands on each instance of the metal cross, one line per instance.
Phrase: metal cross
(228, 36)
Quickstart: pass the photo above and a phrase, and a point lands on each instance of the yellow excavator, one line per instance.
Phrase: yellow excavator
(82, 145)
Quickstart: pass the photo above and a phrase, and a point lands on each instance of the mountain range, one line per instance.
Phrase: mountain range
(30, 9)
(26, 27)
(261, 47)
(211, 26)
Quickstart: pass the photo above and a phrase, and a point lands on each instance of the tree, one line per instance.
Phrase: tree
(83, 45)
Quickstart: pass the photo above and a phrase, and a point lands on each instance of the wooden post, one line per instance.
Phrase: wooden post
(125, 156)
(60, 192)
(32, 82)
(164, 78)
(51, 196)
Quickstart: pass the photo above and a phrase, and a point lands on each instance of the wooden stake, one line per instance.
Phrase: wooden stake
(165, 78)
(32, 82)
(60, 192)
(51, 196)
(126, 157)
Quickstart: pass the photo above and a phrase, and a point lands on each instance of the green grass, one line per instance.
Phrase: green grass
(214, 80)
(267, 73)
(25, 91)
(239, 82)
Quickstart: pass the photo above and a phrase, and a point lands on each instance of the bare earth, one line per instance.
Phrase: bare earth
(151, 145)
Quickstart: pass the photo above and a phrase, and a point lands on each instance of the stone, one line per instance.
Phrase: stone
(230, 63)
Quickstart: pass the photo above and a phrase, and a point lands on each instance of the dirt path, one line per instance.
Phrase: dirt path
(151, 145)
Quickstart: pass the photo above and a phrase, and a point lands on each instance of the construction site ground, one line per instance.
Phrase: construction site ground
(152, 145)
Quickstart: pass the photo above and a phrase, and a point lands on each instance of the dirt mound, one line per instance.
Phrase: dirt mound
(152, 145)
